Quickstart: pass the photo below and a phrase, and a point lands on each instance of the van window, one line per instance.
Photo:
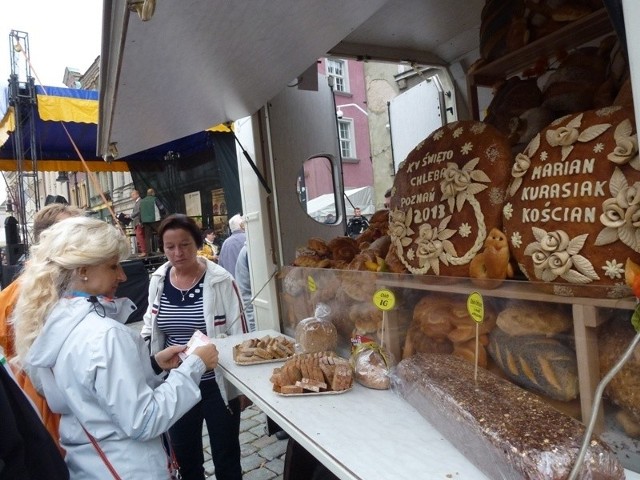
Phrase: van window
(316, 192)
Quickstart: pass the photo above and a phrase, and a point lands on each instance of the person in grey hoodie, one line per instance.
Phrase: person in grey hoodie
(92, 369)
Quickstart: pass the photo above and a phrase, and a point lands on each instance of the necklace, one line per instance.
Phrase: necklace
(183, 293)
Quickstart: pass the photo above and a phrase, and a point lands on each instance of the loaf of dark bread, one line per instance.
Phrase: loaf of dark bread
(505, 431)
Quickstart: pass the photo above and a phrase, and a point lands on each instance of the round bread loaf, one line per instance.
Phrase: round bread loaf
(315, 334)
(534, 318)
(573, 207)
(447, 195)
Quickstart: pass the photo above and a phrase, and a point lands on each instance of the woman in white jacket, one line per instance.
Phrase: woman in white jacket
(93, 369)
(191, 293)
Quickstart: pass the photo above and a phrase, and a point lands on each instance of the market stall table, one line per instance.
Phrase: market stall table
(359, 434)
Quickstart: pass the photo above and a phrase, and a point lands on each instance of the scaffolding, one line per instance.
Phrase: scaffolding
(24, 194)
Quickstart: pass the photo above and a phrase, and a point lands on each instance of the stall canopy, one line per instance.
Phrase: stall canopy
(200, 162)
(321, 206)
(57, 109)
(76, 111)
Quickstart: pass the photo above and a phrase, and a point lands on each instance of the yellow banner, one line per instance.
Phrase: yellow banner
(65, 109)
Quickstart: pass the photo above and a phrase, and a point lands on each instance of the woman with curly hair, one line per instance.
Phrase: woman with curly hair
(94, 370)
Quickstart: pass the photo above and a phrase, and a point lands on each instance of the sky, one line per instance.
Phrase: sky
(61, 34)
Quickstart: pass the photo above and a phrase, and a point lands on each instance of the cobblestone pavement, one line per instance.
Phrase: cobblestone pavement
(262, 455)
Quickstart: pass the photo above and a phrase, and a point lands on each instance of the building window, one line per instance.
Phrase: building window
(338, 70)
(347, 144)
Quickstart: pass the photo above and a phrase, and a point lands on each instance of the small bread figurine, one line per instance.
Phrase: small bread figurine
(493, 262)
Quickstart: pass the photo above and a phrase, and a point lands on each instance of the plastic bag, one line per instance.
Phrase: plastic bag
(317, 333)
(371, 364)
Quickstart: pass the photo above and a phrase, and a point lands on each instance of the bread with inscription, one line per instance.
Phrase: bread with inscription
(449, 193)
(568, 214)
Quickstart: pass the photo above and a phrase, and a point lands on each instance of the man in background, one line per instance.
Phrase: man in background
(243, 279)
(137, 224)
(357, 224)
(151, 212)
(232, 245)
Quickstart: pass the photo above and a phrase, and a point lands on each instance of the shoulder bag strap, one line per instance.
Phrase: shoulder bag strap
(102, 455)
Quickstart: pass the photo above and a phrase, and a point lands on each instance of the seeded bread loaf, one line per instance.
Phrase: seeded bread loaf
(505, 431)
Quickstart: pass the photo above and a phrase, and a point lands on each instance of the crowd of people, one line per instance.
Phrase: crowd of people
(88, 396)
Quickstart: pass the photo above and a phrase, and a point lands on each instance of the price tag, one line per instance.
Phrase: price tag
(384, 299)
(475, 307)
(311, 284)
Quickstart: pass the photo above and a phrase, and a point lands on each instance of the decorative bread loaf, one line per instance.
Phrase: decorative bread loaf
(447, 196)
(507, 432)
(570, 213)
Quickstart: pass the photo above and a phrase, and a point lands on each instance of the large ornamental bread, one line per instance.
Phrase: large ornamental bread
(573, 206)
(447, 196)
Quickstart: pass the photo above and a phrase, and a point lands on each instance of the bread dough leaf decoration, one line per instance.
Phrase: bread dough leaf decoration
(555, 255)
(626, 149)
(565, 137)
(433, 245)
(458, 185)
(621, 213)
(399, 228)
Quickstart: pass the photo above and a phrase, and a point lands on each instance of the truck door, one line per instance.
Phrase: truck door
(302, 128)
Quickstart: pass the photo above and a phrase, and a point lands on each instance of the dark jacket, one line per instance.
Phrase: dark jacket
(356, 226)
(151, 209)
(27, 451)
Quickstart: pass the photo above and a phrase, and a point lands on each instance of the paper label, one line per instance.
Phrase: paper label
(475, 307)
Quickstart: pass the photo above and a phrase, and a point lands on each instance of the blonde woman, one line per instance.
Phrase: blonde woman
(94, 370)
